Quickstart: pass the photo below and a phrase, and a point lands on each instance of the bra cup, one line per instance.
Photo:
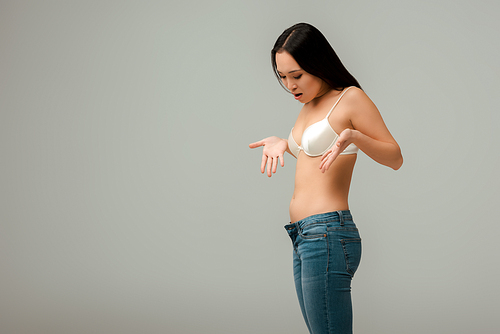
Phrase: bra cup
(292, 145)
(318, 138)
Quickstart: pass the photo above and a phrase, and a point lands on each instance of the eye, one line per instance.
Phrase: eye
(298, 76)
(282, 77)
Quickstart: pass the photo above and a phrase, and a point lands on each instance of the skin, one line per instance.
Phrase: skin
(322, 183)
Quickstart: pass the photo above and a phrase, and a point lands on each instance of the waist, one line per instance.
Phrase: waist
(307, 206)
(334, 218)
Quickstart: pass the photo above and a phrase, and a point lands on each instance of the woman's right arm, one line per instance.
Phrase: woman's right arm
(274, 148)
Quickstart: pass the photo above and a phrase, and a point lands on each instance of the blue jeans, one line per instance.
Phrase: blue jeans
(327, 252)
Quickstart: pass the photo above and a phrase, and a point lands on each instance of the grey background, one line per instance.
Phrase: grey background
(130, 202)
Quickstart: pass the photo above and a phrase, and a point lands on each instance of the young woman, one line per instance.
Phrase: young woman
(337, 119)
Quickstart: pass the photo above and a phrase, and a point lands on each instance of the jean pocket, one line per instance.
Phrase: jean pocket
(352, 253)
(313, 231)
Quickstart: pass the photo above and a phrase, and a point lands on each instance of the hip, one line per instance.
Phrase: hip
(329, 242)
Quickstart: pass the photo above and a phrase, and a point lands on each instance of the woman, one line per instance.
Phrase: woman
(337, 119)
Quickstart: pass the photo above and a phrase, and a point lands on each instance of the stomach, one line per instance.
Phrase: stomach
(316, 192)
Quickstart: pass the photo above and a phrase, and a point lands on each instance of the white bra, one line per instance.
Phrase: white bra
(318, 138)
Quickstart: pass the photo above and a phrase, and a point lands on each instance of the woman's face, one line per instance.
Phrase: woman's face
(304, 86)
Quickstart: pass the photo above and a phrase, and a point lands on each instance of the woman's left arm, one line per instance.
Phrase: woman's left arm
(369, 133)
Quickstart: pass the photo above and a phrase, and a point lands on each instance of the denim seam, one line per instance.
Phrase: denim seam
(328, 321)
(343, 242)
(327, 253)
(342, 229)
(312, 237)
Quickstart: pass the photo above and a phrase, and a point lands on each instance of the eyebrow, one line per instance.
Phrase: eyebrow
(291, 71)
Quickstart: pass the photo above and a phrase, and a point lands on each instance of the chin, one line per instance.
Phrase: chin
(305, 101)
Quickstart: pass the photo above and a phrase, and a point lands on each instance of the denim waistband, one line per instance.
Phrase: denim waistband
(334, 216)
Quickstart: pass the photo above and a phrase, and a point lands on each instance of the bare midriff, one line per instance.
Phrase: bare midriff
(316, 192)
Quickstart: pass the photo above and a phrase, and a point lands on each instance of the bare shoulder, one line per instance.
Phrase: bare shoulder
(357, 101)
(365, 116)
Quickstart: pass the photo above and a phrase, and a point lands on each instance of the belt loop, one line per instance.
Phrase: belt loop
(341, 216)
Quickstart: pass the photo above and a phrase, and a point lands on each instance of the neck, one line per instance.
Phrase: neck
(325, 89)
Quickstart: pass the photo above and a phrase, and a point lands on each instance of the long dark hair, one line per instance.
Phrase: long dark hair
(310, 49)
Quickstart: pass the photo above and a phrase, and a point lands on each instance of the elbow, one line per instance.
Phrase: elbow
(399, 161)
(397, 165)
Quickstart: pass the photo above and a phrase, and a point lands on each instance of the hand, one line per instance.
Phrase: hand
(274, 148)
(341, 144)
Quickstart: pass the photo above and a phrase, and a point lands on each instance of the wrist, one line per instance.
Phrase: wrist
(354, 136)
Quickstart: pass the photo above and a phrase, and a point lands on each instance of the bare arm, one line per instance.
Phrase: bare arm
(369, 133)
(385, 153)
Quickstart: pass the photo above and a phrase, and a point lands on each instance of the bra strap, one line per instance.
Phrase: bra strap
(337, 101)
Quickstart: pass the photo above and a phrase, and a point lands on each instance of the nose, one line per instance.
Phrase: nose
(290, 85)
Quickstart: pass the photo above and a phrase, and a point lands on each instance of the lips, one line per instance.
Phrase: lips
(297, 96)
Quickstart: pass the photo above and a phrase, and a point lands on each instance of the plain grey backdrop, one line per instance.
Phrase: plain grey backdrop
(131, 203)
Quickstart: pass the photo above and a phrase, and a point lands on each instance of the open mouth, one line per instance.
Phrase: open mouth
(297, 96)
